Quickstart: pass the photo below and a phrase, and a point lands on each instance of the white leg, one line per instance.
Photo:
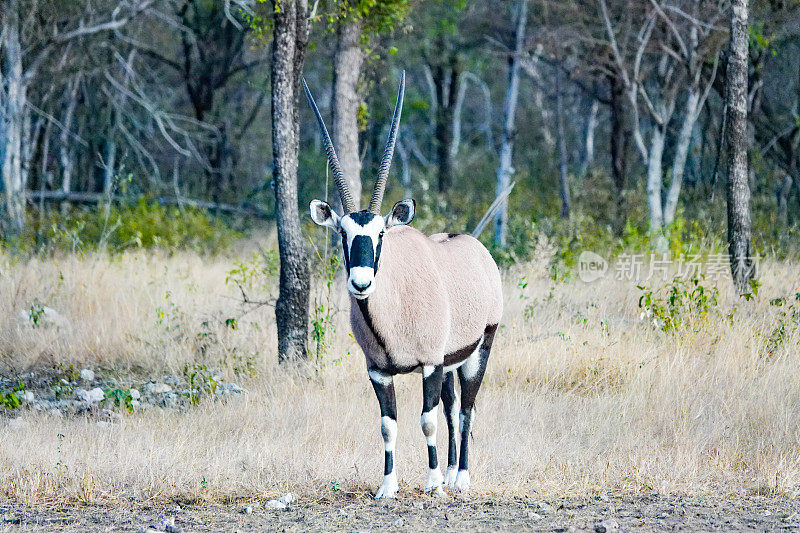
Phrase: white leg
(450, 476)
(462, 481)
(432, 377)
(384, 390)
(464, 427)
(388, 488)
(429, 423)
(450, 404)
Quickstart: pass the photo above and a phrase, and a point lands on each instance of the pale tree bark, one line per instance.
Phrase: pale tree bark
(681, 154)
(783, 192)
(739, 221)
(16, 124)
(588, 136)
(13, 119)
(679, 62)
(65, 152)
(505, 170)
(654, 173)
(563, 177)
(694, 104)
(486, 125)
(290, 38)
(347, 62)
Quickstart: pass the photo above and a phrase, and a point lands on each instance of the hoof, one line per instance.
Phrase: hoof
(462, 481)
(450, 477)
(434, 482)
(389, 487)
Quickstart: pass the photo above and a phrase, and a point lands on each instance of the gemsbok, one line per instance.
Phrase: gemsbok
(417, 303)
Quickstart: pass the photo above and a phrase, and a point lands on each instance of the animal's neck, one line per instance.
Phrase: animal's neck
(385, 297)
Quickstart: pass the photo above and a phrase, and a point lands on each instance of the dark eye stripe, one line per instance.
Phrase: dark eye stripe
(346, 253)
(362, 252)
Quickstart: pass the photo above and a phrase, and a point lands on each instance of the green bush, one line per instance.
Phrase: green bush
(684, 304)
(116, 227)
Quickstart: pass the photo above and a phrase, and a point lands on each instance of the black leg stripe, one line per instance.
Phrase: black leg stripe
(388, 463)
(448, 401)
(462, 460)
(433, 460)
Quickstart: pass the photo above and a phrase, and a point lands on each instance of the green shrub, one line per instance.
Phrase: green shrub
(788, 323)
(116, 227)
(684, 304)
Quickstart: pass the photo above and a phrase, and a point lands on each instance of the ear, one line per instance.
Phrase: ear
(324, 215)
(402, 213)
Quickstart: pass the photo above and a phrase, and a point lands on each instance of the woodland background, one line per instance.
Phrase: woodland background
(147, 122)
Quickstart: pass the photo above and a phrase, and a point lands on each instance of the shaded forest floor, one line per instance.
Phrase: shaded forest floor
(598, 514)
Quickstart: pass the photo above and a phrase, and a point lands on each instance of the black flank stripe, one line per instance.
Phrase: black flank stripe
(362, 304)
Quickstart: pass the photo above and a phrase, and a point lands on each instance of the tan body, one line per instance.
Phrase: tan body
(417, 302)
(434, 296)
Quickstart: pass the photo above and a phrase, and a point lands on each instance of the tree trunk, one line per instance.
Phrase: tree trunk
(347, 62)
(506, 169)
(485, 126)
(65, 154)
(783, 193)
(619, 150)
(588, 136)
(739, 221)
(563, 177)
(13, 120)
(681, 154)
(446, 79)
(654, 172)
(290, 37)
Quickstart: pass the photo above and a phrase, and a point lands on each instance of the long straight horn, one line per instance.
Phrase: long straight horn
(386, 160)
(348, 204)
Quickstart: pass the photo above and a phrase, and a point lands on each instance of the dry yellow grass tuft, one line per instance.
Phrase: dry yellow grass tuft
(581, 395)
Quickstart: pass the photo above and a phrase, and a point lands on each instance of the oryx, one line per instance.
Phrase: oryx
(417, 303)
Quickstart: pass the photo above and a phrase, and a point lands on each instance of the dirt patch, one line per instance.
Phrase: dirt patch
(624, 513)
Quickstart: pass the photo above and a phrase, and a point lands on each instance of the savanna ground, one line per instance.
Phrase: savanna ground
(595, 413)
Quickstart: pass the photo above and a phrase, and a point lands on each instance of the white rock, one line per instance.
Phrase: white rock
(135, 394)
(42, 317)
(26, 396)
(606, 526)
(87, 374)
(398, 522)
(90, 396)
(231, 389)
(248, 510)
(136, 404)
(274, 504)
(288, 498)
(159, 388)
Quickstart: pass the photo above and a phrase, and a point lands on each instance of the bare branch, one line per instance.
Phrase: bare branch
(672, 28)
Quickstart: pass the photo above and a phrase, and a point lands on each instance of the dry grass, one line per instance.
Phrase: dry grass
(581, 396)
